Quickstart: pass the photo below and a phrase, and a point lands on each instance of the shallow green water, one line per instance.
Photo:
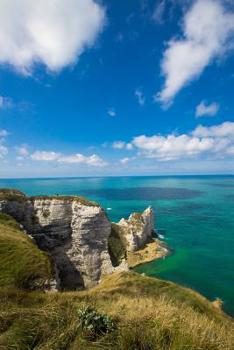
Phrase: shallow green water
(195, 214)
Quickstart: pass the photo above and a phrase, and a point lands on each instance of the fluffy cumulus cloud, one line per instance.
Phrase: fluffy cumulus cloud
(45, 156)
(224, 130)
(204, 109)
(210, 142)
(124, 160)
(122, 145)
(119, 145)
(93, 160)
(208, 29)
(22, 151)
(54, 33)
(49, 156)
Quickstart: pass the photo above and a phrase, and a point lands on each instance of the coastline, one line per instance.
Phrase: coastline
(153, 250)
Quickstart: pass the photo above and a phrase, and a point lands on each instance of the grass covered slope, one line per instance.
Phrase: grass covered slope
(148, 314)
(22, 264)
(127, 311)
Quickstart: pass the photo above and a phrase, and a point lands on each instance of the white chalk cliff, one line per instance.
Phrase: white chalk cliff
(75, 233)
(138, 229)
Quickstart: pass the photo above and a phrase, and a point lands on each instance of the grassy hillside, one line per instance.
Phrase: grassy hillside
(126, 311)
(147, 314)
(22, 264)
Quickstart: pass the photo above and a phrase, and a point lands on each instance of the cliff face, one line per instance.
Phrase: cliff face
(137, 229)
(74, 233)
(77, 234)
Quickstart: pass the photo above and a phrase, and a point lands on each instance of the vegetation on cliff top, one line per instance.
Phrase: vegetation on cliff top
(11, 195)
(79, 199)
(22, 264)
(16, 195)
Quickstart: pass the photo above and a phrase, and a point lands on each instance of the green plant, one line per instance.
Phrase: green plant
(95, 324)
(116, 245)
(22, 264)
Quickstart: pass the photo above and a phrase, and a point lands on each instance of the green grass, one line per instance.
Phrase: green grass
(149, 314)
(141, 313)
(12, 195)
(22, 264)
(116, 245)
(78, 199)
(16, 195)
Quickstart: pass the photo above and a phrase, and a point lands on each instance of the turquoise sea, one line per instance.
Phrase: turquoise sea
(195, 214)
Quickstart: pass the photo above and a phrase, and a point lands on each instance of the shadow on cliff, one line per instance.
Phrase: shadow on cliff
(68, 277)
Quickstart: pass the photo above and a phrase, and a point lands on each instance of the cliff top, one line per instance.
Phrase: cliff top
(11, 194)
(16, 195)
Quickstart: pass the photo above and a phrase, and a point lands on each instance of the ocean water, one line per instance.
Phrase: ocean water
(195, 214)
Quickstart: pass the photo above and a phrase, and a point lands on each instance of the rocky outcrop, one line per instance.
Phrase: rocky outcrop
(137, 230)
(82, 242)
(74, 231)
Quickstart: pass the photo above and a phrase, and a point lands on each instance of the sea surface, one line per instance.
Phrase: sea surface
(194, 214)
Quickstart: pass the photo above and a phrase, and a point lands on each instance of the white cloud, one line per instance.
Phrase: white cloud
(140, 97)
(122, 145)
(5, 102)
(129, 146)
(54, 33)
(224, 130)
(45, 156)
(159, 11)
(204, 109)
(124, 160)
(111, 112)
(119, 145)
(212, 142)
(93, 160)
(22, 151)
(3, 151)
(207, 29)
(3, 133)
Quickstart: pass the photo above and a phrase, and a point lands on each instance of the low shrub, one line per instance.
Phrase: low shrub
(95, 324)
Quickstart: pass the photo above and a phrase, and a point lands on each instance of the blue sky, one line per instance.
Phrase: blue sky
(134, 87)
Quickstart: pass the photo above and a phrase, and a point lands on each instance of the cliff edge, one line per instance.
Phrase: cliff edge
(76, 233)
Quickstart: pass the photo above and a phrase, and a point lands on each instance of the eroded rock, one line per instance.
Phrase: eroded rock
(75, 232)
(137, 230)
